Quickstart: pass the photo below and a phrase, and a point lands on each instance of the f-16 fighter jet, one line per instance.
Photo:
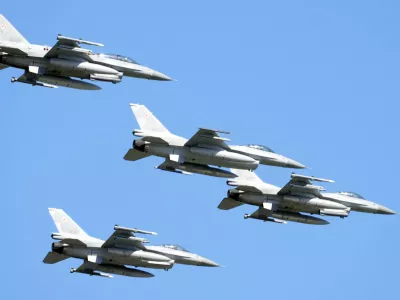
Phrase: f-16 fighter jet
(102, 258)
(195, 155)
(298, 195)
(54, 66)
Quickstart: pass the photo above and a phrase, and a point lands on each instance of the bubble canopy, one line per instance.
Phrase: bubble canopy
(352, 194)
(174, 247)
(119, 57)
(260, 147)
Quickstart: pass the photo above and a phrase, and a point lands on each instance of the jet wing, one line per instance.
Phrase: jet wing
(32, 78)
(124, 237)
(71, 46)
(208, 137)
(303, 184)
(3, 66)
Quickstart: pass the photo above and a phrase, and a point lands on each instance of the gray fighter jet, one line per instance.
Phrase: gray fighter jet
(54, 66)
(102, 258)
(299, 195)
(205, 148)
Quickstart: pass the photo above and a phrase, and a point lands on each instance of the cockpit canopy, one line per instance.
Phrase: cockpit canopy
(352, 194)
(174, 247)
(260, 147)
(119, 57)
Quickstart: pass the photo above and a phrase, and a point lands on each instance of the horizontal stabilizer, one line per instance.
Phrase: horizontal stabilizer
(54, 257)
(134, 154)
(12, 50)
(229, 203)
(2, 67)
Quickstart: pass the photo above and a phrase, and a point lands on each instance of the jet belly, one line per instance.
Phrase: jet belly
(24, 62)
(288, 202)
(206, 156)
(251, 198)
(59, 65)
(137, 258)
(222, 158)
(311, 204)
(140, 258)
(84, 66)
(76, 252)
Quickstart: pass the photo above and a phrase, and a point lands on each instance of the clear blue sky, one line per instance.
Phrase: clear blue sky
(317, 81)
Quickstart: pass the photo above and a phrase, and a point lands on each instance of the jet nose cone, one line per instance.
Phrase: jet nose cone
(159, 76)
(208, 263)
(294, 164)
(384, 210)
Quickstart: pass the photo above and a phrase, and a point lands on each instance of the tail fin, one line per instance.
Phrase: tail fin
(8, 32)
(64, 223)
(147, 121)
(247, 175)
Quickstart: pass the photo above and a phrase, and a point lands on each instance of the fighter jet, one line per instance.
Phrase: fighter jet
(54, 66)
(298, 196)
(102, 258)
(195, 155)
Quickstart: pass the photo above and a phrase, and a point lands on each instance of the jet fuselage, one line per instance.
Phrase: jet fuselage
(136, 258)
(156, 257)
(97, 67)
(198, 155)
(331, 204)
(267, 158)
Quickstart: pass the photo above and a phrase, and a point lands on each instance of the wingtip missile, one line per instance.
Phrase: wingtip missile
(215, 130)
(134, 230)
(79, 41)
(294, 175)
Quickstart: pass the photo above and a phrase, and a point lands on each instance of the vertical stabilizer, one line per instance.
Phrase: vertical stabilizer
(64, 223)
(8, 33)
(147, 121)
